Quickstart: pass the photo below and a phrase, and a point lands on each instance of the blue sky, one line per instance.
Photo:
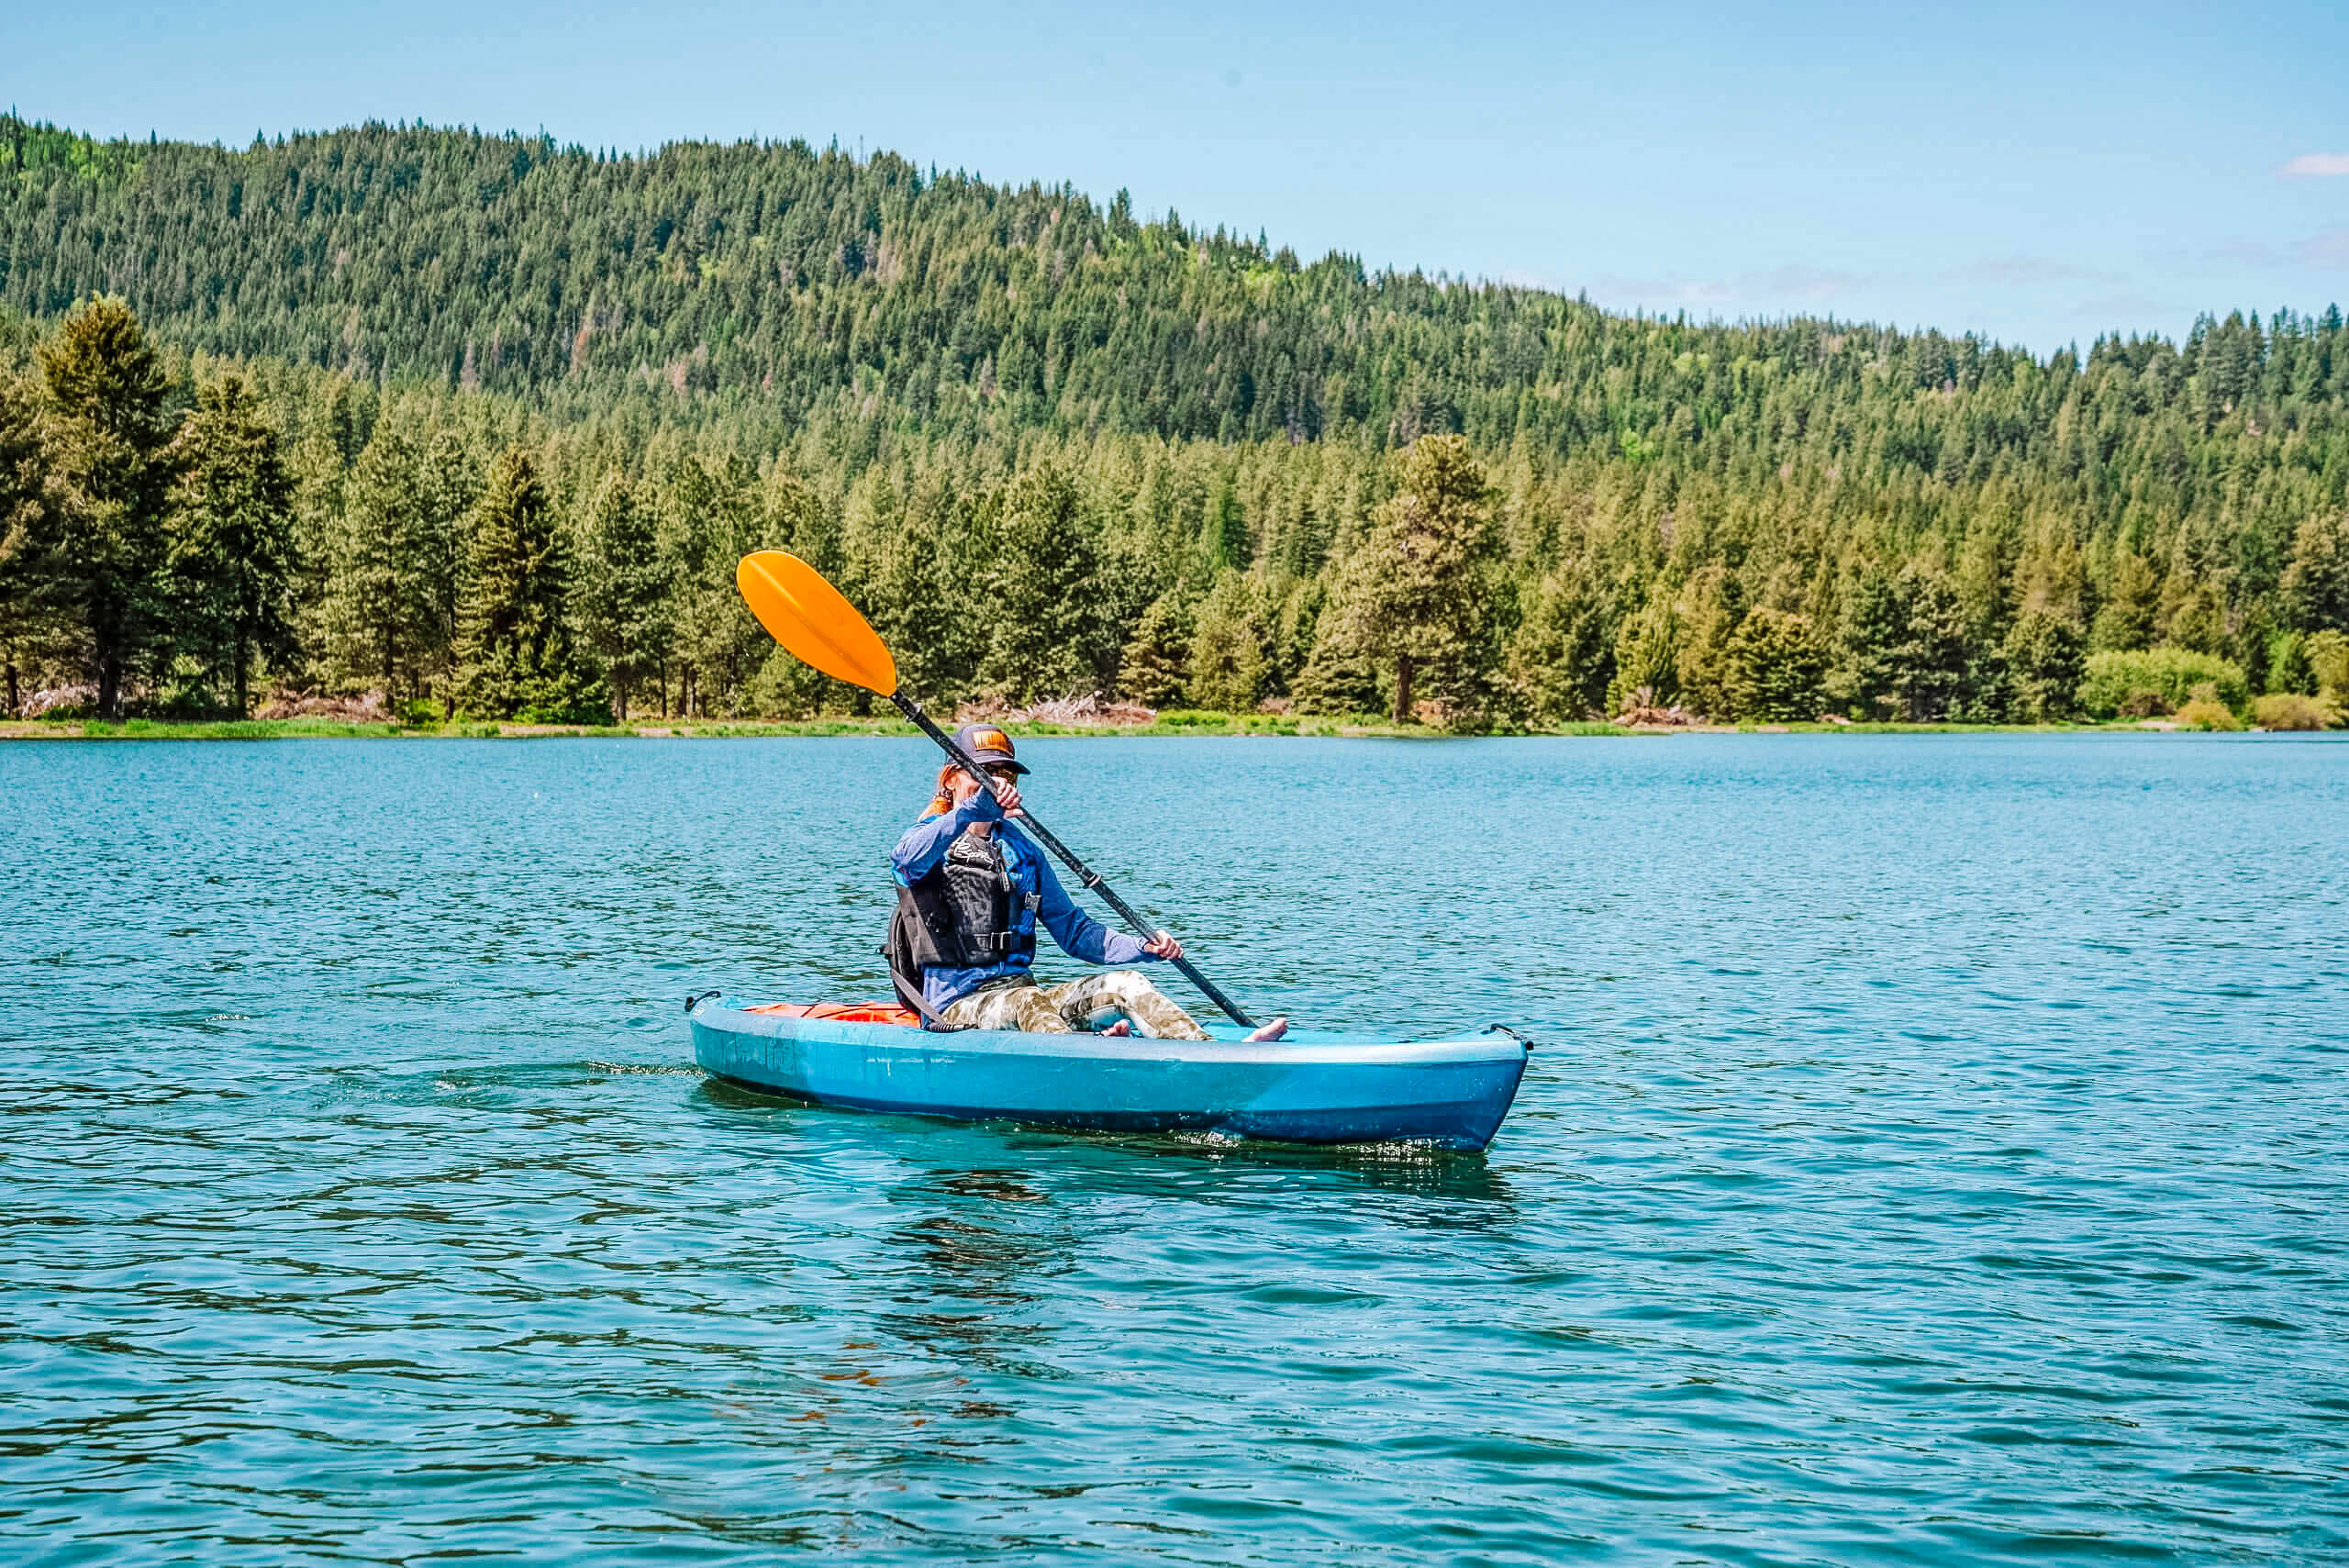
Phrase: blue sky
(2037, 173)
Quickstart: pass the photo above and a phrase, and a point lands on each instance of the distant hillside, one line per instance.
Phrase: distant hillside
(799, 275)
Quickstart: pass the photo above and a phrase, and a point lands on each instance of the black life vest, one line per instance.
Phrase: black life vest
(964, 913)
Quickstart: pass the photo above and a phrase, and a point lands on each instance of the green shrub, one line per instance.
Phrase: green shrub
(2204, 713)
(2289, 710)
(2157, 680)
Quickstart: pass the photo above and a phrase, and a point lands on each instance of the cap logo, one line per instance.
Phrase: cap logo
(991, 740)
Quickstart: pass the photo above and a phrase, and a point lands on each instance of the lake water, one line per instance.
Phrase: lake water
(1937, 1150)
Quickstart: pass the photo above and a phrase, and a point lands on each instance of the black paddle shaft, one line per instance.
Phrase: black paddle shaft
(1084, 873)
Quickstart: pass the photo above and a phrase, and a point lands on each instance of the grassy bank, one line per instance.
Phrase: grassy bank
(1177, 723)
(1174, 722)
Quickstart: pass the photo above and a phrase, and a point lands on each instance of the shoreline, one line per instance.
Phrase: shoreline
(1230, 726)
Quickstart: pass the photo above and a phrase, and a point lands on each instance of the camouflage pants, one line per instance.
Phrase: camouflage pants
(1087, 1004)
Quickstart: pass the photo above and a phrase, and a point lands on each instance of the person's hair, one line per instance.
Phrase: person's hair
(943, 801)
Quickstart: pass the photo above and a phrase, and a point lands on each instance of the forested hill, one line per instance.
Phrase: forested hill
(1178, 447)
(799, 275)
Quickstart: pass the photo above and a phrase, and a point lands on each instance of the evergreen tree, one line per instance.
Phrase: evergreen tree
(867, 333)
(1228, 663)
(518, 658)
(320, 464)
(1647, 658)
(1560, 661)
(110, 429)
(622, 601)
(230, 531)
(1873, 635)
(1711, 609)
(1224, 529)
(1776, 667)
(448, 484)
(2193, 613)
(1341, 676)
(1905, 645)
(2133, 602)
(2316, 583)
(27, 571)
(709, 520)
(2045, 659)
(1156, 663)
(374, 622)
(1426, 587)
(1046, 639)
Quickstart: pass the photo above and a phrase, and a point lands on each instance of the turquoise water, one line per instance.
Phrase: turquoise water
(1937, 1150)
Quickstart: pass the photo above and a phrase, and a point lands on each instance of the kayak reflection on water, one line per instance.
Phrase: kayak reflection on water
(971, 889)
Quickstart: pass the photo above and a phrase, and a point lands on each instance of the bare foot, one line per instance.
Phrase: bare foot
(1121, 1027)
(1273, 1031)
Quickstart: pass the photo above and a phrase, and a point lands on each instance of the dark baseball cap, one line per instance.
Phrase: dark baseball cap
(990, 744)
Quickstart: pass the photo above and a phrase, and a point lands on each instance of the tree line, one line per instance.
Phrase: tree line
(482, 423)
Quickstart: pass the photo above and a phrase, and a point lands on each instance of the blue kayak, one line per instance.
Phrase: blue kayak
(1310, 1088)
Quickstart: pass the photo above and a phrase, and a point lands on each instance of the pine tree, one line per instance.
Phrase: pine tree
(2192, 610)
(1560, 658)
(1223, 533)
(2045, 658)
(28, 568)
(448, 484)
(517, 660)
(1156, 662)
(1341, 676)
(1426, 587)
(230, 531)
(320, 463)
(1227, 658)
(623, 600)
(1709, 610)
(1647, 656)
(1929, 661)
(708, 512)
(1874, 629)
(109, 433)
(2125, 621)
(1775, 666)
(2316, 582)
(1046, 637)
(374, 617)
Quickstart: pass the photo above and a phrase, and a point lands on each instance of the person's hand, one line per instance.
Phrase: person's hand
(1006, 793)
(1163, 945)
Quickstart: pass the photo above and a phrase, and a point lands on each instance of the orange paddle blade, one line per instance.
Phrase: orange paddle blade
(813, 622)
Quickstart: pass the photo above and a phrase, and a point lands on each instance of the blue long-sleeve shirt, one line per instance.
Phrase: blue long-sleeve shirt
(1079, 934)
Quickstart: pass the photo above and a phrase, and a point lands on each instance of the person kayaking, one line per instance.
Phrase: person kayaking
(971, 889)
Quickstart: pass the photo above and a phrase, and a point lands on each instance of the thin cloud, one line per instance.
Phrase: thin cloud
(1777, 283)
(2316, 166)
(2327, 249)
(2243, 253)
(1808, 285)
(2122, 310)
(2027, 272)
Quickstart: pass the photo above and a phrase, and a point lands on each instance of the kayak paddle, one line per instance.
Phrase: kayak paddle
(818, 626)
